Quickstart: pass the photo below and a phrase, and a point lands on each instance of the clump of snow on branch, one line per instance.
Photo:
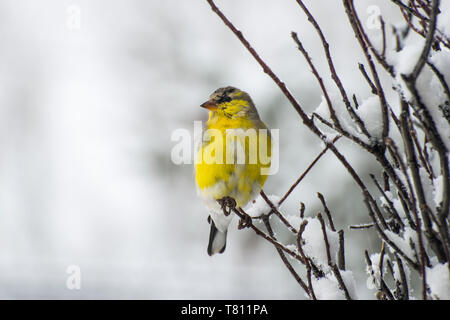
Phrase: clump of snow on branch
(314, 243)
(428, 85)
(439, 281)
(428, 188)
(405, 60)
(443, 19)
(327, 288)
(374, 272)
(260, 207)
(294, 221)
(370, 112)
(434, 93)
(406, 242)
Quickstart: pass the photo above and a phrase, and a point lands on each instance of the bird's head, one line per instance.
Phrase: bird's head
(232, 103)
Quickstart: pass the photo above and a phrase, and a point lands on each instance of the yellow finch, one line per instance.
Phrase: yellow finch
(233, 159)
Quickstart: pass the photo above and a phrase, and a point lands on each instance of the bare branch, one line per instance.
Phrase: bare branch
(363, 226)
(302, 209)
(325, 239)
(405, 290)
(383, 32)
(341, 253)
(428, 42)
(327, 211)
(364, 73)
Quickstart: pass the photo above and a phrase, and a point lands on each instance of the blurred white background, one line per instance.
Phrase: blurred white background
(90, 92)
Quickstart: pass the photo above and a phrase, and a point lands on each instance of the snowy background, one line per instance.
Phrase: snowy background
(90, 92)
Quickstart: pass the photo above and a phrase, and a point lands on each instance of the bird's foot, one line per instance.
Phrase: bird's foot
(227, 204)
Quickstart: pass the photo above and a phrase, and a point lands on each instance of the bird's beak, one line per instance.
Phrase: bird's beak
(210, 105)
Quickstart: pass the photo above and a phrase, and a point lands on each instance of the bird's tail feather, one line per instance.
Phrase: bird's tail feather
(217, 240)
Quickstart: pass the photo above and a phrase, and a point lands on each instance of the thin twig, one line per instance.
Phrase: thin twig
(277, 212)
(364, 73)
(441, 78)
(383, 32)
(403, 278)
(341, 253)
(331, 264)
(302, 209)
(325, 239)
(306, 171)
(327, 211)
(363, 226)
(380, 263)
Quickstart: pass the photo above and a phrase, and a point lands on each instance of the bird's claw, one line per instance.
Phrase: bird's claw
(227, 204)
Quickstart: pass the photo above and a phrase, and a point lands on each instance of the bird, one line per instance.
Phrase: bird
(230, 166)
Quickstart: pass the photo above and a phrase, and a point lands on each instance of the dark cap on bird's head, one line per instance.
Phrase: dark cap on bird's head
(221, 96)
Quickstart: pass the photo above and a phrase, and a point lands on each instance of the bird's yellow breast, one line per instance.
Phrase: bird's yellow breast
(215, 176)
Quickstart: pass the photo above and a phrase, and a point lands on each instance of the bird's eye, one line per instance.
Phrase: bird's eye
(224, 98)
